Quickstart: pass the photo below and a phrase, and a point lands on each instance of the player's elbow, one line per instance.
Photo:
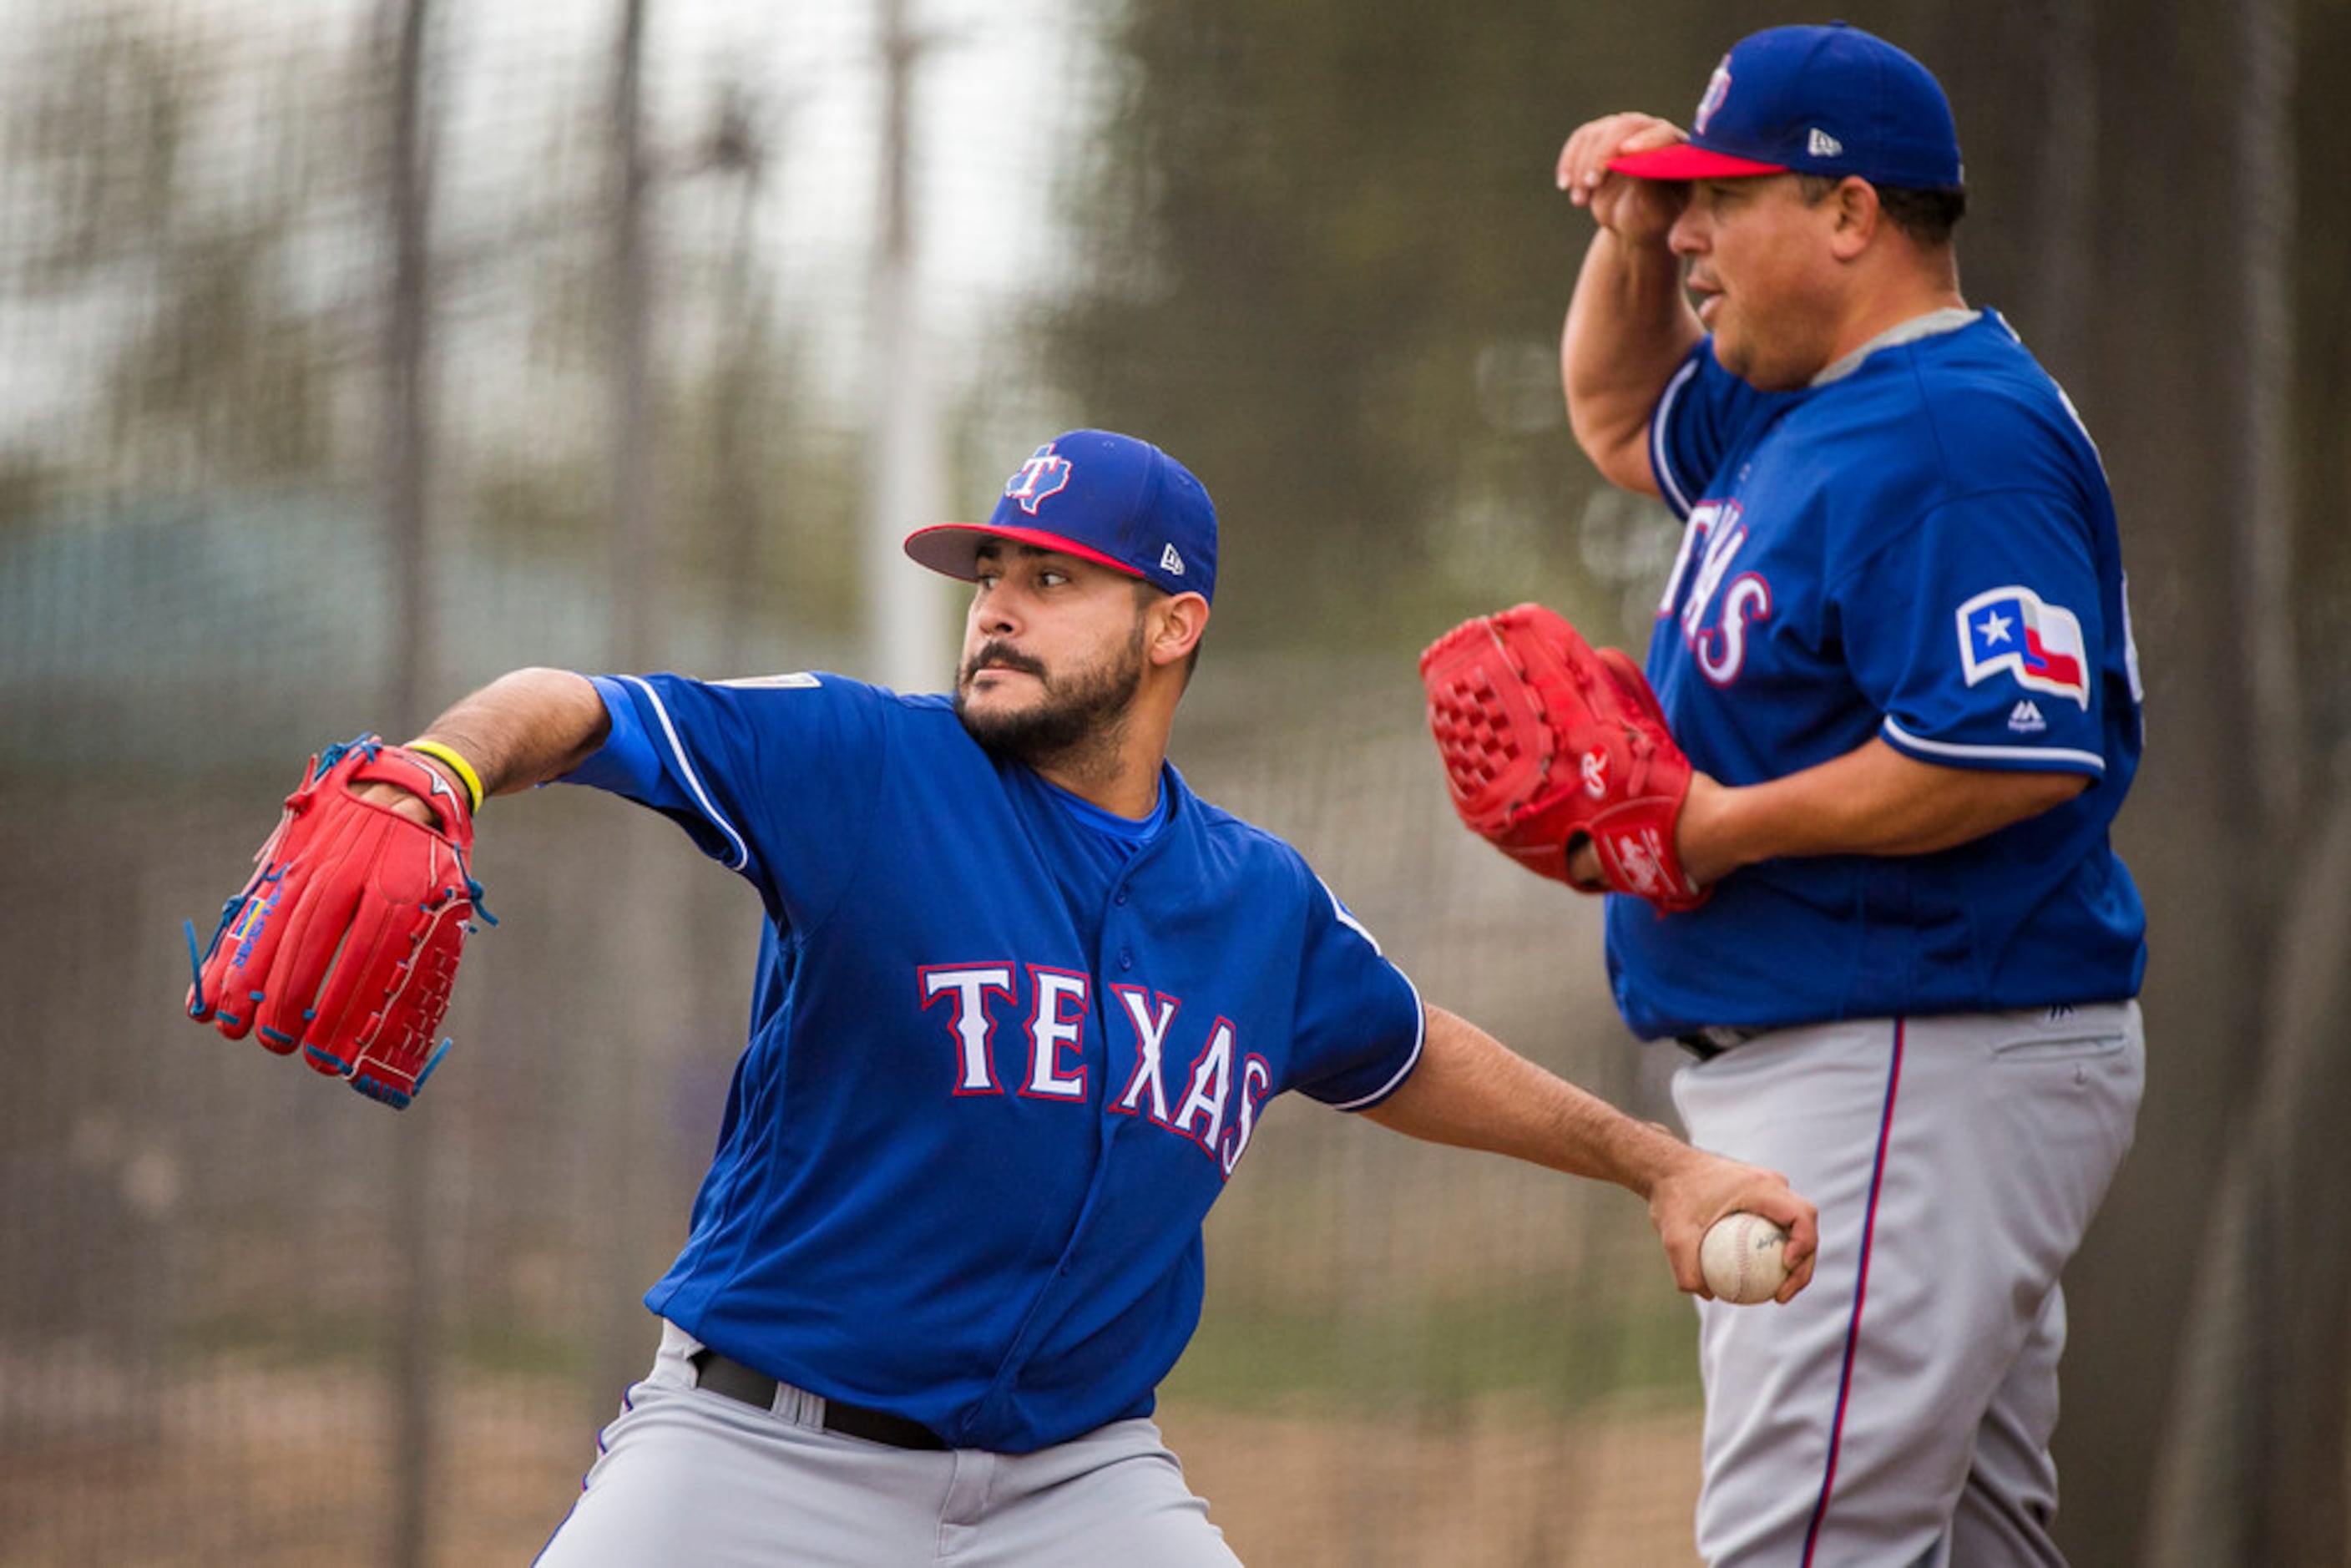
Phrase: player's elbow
(1997, 801)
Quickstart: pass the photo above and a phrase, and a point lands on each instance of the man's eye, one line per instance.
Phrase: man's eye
(1051, 579)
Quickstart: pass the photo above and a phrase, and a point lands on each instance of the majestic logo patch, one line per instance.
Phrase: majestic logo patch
(1042, 476)
(1717, 88)
(2025, 717)
(1170, 562)
(2039, 644)
(1819, 143)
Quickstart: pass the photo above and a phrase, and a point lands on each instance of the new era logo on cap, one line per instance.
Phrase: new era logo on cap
(1829, 100)
(1100, 497)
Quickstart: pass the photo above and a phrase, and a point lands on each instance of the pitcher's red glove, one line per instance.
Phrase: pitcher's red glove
(1547, 743)
(346, 941)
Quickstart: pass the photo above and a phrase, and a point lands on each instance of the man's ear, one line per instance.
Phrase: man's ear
(1177, 624)
(1855, 217)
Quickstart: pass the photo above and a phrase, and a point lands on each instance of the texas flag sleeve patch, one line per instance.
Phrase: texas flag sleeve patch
(2013, 630)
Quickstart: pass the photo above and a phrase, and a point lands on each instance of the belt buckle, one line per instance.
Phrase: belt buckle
(1711, 1040)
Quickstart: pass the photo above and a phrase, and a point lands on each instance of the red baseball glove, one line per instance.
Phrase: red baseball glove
(1547, 743)
(346, 941)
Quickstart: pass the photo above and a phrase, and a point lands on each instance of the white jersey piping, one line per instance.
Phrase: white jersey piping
(693, 780)
(2004, 753)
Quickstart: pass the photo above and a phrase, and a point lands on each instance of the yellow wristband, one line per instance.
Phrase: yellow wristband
(457, 765)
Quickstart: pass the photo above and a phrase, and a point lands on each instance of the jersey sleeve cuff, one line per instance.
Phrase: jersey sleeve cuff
(1403, 1071)
(2000, 759)
(626, 764)
(1670, 487)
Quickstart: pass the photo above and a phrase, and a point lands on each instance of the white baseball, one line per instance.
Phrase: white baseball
(1745, 1257)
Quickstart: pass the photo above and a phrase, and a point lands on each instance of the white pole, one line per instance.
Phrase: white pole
(906, 616)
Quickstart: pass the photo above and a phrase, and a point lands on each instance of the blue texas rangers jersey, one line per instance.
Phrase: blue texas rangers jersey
(1001, 1060)
(1921, 549)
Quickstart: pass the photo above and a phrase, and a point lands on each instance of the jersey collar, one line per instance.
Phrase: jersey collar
(1949, 319)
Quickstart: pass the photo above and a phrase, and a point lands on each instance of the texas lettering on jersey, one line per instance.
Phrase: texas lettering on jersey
(1716, 633)
(1223, 1089)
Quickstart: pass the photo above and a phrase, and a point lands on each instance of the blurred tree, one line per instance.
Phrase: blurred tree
(1325, 264)
(140, 177)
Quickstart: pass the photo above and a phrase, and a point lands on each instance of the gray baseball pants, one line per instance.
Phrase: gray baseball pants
(692, 1477)
(1899, 1411)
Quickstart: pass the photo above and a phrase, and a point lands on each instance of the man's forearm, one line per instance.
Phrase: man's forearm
(1873, 801)
(1472, 1092)
(524, 728)
(1628, 326)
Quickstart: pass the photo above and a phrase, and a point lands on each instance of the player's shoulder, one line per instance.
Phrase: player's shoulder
(838, 714)
(1232, 845)
(1969, 407)
(824, 688)
(1982, 381)
(838, 687)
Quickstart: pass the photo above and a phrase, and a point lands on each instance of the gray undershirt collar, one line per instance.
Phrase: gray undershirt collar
(1950, 319)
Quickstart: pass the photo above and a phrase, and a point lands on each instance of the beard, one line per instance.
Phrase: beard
(1077, 713)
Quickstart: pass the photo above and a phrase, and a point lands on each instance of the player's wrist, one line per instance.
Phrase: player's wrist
(1649, 1157)
(451, 764)
(1709, 835)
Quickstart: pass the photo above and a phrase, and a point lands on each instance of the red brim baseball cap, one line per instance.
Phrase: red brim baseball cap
(1100, 497)
(1688, 161)
(1830, 100)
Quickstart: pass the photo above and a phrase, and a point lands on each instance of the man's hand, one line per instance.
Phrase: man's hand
(1630, 324)
(1638, 211)
(1702, 1187)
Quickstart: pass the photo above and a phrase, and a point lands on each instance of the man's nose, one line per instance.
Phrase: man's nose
(996, 614)
(1686, 236)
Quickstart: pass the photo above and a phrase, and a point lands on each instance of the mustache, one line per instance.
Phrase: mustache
(1002, 656)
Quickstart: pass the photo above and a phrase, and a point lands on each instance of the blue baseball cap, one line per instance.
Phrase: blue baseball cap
(1830, 101)
(1102, 498)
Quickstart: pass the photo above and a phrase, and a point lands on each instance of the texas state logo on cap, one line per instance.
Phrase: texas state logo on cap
(1100, 497)
(1830, 100)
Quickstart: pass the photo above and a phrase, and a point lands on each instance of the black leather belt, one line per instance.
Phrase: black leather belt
(724, 1374)
(1706, 1044)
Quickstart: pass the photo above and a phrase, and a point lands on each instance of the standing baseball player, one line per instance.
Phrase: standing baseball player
(1021, 1001)
(1895, 645)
